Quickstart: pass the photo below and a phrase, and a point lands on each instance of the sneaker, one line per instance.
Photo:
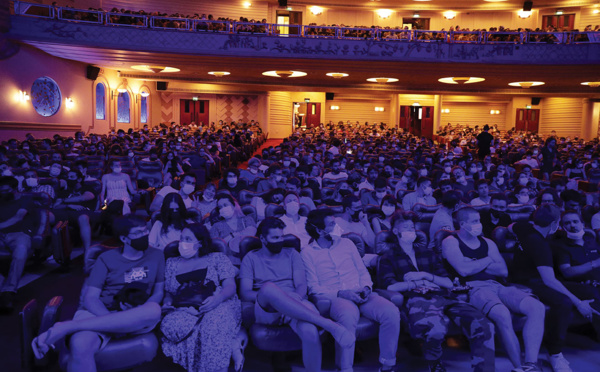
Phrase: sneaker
(528, 367)
(559, 363)
(436, 366)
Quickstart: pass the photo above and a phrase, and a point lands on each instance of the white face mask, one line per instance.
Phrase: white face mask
(388, 210)
(31, 182)
(576, 235)
(423, 172)
(292, 208)
(380, 195)
(476, 229)
(286, 163)
(226, 212)
(188, 189)
(7, 172)
(187, 249)
(428, 191)
(447, 169)
(253, 170)
(54, 172)
(500, 181)
(522, 199)
(408, 236)
(523, 181)
(337, 231)
(278, 178)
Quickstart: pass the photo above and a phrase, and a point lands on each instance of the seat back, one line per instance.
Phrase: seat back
(274, 210)
(520, 212)
(425, 212)
(29, 325)
(358, 242)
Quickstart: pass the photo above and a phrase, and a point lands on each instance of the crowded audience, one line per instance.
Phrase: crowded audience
(368, 218)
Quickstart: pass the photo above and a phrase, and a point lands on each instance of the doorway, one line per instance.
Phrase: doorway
(307, 114)
(193, 111)
(418, 120)
(528, 120)
(289, 22)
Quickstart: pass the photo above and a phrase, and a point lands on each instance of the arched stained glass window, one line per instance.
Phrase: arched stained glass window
(123, 108)
(100, 102)
(144, 110)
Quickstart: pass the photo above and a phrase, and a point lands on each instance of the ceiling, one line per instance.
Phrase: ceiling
(414, 77)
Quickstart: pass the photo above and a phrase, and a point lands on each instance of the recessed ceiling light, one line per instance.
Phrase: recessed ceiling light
(461, 80)
(219, 73)
(382, 80)
(526, 84)
(422, 0)
(155, 69)
(592, 84)
(337, 75)
(284, 74)
(494, 1)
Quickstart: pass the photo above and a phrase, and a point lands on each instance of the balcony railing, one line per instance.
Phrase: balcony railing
(309, 31)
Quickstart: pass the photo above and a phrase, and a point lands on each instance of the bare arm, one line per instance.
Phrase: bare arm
(92, 303)
(103, 192)
(157, 293)
(87, 196)
(227, 290)
(130, 187)
(18, 217)
(156, 203)
(246, 291)
(569, 271)
(498, 267)
(462, 265)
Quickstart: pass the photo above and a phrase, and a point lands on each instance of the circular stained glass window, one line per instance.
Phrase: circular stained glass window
(45, 96)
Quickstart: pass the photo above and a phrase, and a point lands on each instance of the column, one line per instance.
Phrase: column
(437, 113)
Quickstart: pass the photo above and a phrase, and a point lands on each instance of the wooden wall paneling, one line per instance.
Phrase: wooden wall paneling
(561, 114)
(354, 110)
(473, 113)
(280, 115)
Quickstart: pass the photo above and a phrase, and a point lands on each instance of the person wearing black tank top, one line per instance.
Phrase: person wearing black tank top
(477, 262)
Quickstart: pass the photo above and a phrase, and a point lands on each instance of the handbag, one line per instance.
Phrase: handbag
(193, 290)
(134, 294)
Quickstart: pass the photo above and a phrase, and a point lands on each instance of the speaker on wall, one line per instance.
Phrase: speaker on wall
(535, 101)
(282, 2)
(329, 96)
(161, 85)
(92, 72)
(527, 6)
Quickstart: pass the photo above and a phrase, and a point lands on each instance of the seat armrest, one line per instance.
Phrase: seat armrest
(393, 296)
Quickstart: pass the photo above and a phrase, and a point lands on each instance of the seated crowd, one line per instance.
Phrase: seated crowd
(460, 237)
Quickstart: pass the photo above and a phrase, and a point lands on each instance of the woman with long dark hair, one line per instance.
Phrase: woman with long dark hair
(170, 223)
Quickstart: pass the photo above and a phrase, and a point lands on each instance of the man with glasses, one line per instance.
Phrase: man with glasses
(104, 312)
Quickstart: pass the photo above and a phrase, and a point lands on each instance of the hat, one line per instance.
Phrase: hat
(254, 162)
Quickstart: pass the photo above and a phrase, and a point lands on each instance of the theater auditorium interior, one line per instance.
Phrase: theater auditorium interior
(281, 185)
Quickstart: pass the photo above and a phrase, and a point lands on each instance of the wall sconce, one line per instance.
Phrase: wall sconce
(449, 14)
(445, 111)
(559, 12)
(194, 98)
(69, 102)
(416, 15)
(23, 96)
(334, 108)
(379, 109)
(316, 10)
(494, 112)
(384, 13)
(596, 11)
(144, 94)
(247, 4)
(524, 13)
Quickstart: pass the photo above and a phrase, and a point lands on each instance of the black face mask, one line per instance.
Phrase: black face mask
(496, 213)
(140, 244)
(345, 192)
(355, 216)
(71, 184)
(274, 248)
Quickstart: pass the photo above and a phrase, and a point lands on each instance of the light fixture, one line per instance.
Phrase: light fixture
(592, 84)
(384, 13)
(526, 84)
(379, 109)
(155, 69)
(316, 10)
(23, 96)
(445, 111)
(382, 80)
(284, 74)
(289, 8)
(524, 13)
(528, 107)
(334, 108)
(494, 112)
(596, 11)
(219, 74)
(69, 102)
(461, 80)
(337, 75)
(194, 98)
(144, 94)
(449, 14)
(247, 4)
(416, 104)
(559, 12)
(422, 0)
(416, 15)
(494, 1)
(122, 90)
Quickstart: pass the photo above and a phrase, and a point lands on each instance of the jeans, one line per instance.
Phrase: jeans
(377, 309)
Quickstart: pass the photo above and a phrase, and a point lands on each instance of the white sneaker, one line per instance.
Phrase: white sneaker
(559, 363)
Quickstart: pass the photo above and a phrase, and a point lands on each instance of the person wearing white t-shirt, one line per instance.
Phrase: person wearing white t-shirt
(187, 187)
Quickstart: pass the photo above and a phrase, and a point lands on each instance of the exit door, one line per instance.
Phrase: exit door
(418, 120)
(289, 22)
(313, 114)
(528, 120)
(196, 111)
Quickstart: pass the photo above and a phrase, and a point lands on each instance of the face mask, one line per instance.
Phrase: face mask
(523, 199)
(576, 235)
(495, 213)
(355, 216)
(187, 249)
(226, 212)
(461, 179)
(380, 195)
(337, 231)
(253, 170)
(292, 208)
(130, 154)
(476, 229)
(408, 236)
(404, 179)
(428, 191)
(71, 184)
(447, 169)
(278, 178)
(139, 244)
(188, 189)
(31, 182)
(500, 181)
(388, 210)
(274, 248)
(117, 170)
(594, 165)
(423, 172)
(286, 163)
(473, 170)
(54, 172)
(232, 181)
